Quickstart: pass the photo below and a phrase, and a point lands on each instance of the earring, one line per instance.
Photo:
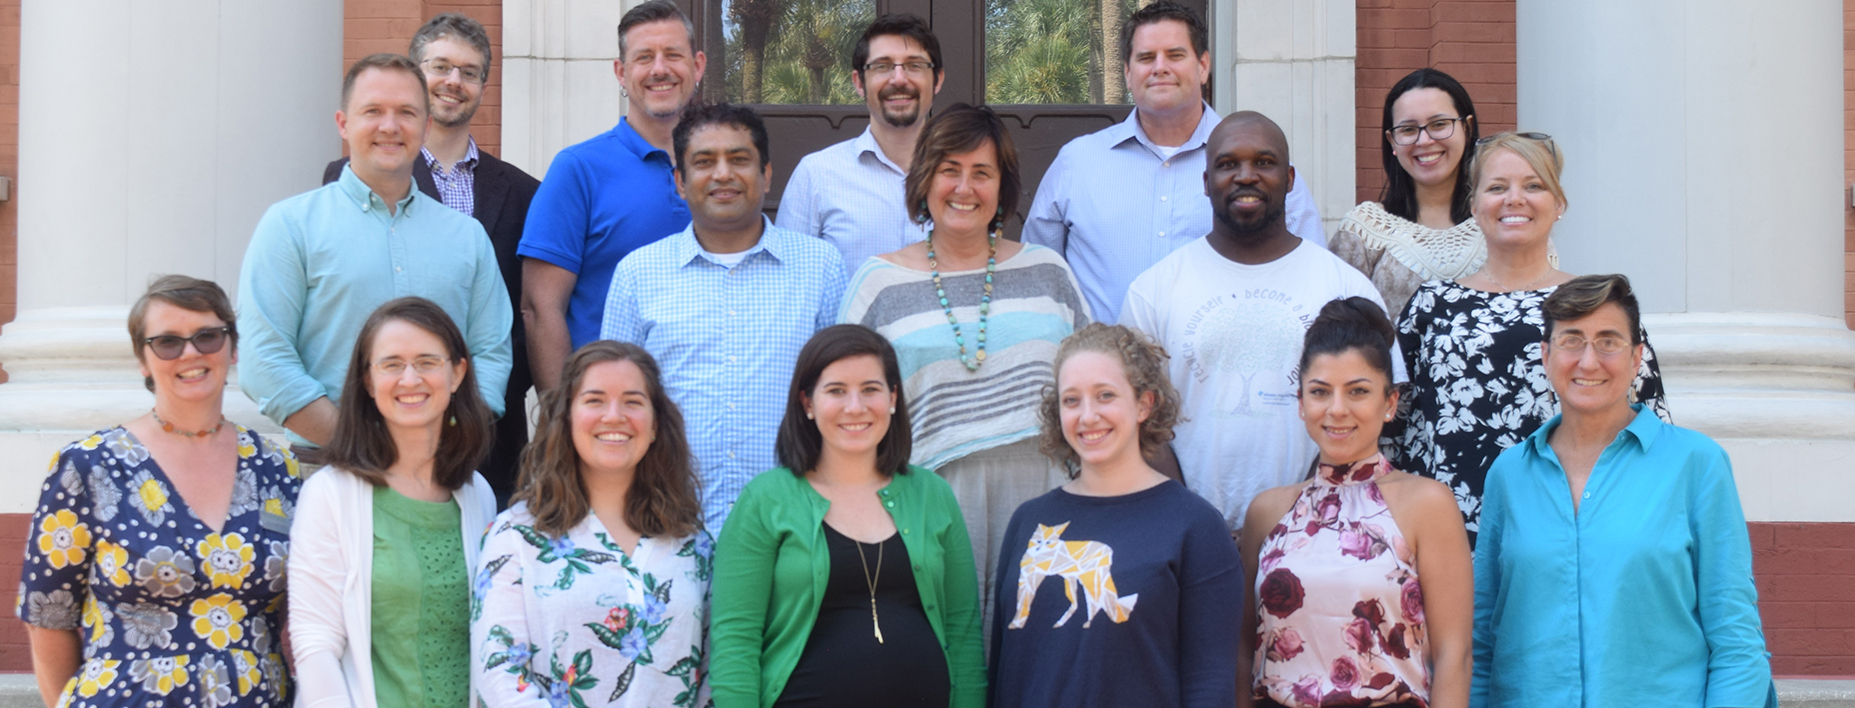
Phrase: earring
(808, 415)
(453, 421)
(891, 410)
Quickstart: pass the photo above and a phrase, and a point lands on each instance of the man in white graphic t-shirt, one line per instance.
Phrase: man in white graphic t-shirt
(1232, 308)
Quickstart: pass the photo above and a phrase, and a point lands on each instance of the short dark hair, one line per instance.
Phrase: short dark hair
(455, 25)
(900, 24)
(186, 293)
(1351, 324)
(1159, 12)
(1142, 360)
(361, 443)
(662, 500)
(653, 11)
(699, 114)
(1581, 296)
(962, 128)
(384, 62)
(799, 444)
(1399, 195)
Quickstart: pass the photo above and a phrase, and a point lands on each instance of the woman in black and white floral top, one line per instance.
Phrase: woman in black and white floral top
(1472, 346)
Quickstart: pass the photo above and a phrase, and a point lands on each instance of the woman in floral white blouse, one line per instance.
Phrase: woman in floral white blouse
(594, 588)
(154, 573)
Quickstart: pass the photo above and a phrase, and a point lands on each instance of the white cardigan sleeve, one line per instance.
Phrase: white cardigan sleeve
(318, 571)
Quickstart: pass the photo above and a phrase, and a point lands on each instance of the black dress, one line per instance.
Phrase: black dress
(1477, 386)
(843, 664)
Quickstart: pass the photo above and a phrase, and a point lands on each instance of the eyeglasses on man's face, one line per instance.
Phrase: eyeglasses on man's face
(1439, 129)
(208, 341)
(912, 68)
(439, 68)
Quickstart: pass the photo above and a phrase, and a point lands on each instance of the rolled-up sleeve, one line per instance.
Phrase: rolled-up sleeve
(272, 292)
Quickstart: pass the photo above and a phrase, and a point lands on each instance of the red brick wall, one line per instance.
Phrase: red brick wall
(9, 161)
(371, 26)
(15, 656)
(1806, 593)
(1471, 40)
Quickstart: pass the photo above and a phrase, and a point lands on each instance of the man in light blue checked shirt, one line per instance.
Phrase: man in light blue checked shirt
(726, 304)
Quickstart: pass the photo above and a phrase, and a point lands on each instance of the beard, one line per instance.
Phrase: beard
(1271, 215)
(901, 120)
(454, 119)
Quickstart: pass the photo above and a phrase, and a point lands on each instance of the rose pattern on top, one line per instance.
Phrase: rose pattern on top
(1337, 569)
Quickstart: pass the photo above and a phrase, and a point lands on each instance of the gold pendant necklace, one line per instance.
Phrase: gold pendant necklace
(872, 583)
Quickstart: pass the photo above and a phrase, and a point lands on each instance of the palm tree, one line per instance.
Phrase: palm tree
(754, 21)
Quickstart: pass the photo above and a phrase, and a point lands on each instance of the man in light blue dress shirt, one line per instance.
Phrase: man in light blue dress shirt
(1116, 201)
(725, 305)
(319, 263)
(851, 193)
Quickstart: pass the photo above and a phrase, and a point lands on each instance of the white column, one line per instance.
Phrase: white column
(557, 82)
(1293, 61)
(152, 134)
(1703, 145)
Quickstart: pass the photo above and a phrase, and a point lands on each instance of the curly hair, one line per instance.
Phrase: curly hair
(1144, 362)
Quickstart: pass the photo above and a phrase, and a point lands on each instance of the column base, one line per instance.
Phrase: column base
(71, 371)
(1777, 390)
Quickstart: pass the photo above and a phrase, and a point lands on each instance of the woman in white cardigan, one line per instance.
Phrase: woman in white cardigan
(399, 494)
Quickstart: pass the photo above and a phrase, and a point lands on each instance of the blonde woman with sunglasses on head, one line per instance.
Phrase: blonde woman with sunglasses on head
(154, 569)
(1472, 345)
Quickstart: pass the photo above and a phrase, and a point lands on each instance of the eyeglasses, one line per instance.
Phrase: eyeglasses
(1575, 344)
(1439, 129)
(1551, 147)
(397, 367)
(912, 68)
(207, 341)
(442, 68)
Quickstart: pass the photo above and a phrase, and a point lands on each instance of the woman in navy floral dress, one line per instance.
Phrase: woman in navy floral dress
(154, 568)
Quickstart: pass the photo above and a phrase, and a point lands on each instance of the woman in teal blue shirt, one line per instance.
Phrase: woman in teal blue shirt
(1613, 567)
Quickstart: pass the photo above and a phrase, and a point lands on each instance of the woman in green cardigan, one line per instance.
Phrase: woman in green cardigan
(845, 577)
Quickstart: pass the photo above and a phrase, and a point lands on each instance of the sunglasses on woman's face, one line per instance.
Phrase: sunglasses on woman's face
(207, 341)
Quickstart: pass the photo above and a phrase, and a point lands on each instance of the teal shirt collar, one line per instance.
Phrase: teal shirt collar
(1643, 429)
(364, 196)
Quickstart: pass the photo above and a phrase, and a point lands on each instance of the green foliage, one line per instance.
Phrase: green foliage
(1047, 51)
(807, 55)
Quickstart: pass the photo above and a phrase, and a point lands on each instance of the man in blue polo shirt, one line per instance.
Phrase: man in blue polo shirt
(610, 195)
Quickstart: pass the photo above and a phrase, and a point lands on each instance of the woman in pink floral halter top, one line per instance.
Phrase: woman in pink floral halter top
(1364, 586)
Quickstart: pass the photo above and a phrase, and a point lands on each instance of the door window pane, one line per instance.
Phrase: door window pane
(791, 51)
(1055, 51)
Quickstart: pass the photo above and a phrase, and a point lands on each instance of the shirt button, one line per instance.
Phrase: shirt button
(730, 454)
(1162, 234)
(1162, 199)
(1167, 163)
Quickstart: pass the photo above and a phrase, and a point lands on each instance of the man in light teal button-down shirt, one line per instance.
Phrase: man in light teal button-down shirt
(320, 262)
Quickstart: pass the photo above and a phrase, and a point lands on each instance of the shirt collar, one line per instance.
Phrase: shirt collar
(629, 137)
(1130, 129)
(1643, 429)
(364, 196)
(866, 143)
(688, 249)
(470, 156)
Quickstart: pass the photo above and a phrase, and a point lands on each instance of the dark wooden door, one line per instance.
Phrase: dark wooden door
(1048, 67)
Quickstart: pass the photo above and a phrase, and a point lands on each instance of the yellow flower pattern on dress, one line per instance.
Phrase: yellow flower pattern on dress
(97, 675)
(162, 674)
(217, 619)
(63, 539)
(227, 559)
(170, 612)
(112, 563)
(245, 667)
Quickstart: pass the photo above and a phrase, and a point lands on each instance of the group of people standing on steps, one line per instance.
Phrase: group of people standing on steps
(878, 454)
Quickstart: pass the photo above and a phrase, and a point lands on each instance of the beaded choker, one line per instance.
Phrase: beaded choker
(985, 300)
(169, 427)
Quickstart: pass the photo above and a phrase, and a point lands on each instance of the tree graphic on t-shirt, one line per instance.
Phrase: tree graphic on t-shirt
(1250, 338)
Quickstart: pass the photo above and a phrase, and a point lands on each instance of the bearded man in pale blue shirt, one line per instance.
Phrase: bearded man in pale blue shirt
(851, 193)
(725, 305)
(319, 263)
(1116, 201)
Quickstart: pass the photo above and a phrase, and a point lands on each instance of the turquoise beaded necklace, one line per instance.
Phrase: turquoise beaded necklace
(985, 300)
